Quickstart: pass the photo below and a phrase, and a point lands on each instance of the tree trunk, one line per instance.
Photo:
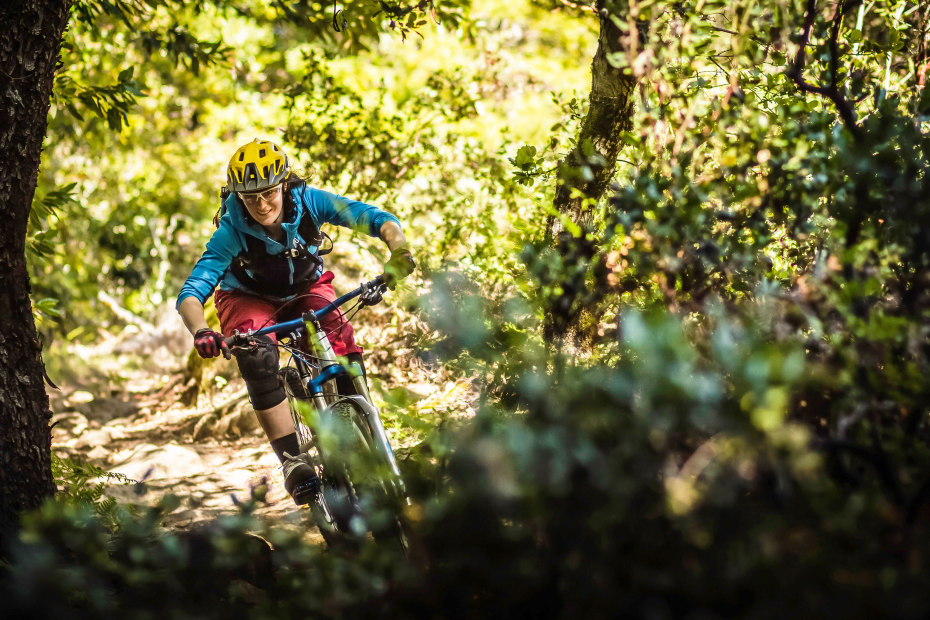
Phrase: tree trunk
(591, 165)
(30, 39)
(586, 172)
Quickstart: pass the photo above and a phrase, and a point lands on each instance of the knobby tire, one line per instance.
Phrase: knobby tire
(337, 506)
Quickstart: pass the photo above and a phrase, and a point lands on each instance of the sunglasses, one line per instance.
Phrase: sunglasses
(255, 198)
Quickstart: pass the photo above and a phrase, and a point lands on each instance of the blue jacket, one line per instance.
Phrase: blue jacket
(229, 239)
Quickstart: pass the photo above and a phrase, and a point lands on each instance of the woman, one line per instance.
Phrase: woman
(264, 256)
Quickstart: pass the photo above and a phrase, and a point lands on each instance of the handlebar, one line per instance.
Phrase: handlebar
(370, 292)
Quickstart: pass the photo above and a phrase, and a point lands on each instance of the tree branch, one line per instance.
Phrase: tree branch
(832, 91)
(579, 7)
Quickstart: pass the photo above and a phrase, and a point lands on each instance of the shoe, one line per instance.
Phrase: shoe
(300, 479)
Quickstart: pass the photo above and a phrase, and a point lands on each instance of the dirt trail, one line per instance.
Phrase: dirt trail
(156, 445)
(123, 414)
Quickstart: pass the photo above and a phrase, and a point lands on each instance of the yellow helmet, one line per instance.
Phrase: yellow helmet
(256, 166)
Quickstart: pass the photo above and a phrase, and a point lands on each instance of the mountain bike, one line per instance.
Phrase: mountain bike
(359, 488)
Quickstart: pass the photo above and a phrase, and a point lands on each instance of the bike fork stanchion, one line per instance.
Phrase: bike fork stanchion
(381, 442)
(373, 417)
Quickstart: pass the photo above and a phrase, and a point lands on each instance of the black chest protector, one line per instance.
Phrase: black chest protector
(284, 274)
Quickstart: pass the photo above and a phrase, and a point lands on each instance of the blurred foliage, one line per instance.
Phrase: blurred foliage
(153, 96)
(83, 485)
(738, 423)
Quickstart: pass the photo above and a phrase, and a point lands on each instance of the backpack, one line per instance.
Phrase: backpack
(278, 275)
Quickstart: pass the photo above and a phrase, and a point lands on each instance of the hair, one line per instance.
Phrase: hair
(293, 180)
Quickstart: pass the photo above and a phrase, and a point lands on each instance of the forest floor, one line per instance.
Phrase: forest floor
(150, 418)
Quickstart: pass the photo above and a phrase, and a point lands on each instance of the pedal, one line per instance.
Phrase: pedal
(306, 491)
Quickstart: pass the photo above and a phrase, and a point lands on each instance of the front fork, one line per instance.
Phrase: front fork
(323, 350)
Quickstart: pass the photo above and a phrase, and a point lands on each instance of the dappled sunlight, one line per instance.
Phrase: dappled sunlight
(654, 334)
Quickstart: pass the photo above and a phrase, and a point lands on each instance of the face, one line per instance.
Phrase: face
(265, 207)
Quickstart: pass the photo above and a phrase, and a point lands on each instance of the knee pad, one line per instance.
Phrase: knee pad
(259, 370)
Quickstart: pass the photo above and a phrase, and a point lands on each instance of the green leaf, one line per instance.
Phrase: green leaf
(526, 156)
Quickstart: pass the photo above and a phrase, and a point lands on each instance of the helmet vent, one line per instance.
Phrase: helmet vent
(257, 166)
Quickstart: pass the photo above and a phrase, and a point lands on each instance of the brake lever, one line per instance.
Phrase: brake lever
(372, 293)
(240, 341)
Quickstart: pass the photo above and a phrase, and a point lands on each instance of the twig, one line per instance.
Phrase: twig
(720, 67)
(680, 9)
(719, 29)
(580, 7)
(123, 313)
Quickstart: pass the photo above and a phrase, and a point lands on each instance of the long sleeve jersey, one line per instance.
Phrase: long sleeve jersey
(229, 240)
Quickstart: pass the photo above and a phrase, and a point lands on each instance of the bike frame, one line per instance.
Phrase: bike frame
(331, 367)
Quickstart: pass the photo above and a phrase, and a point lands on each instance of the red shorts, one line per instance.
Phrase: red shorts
(240, 311)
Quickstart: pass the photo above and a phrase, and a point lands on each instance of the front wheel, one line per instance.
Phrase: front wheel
(360, 492)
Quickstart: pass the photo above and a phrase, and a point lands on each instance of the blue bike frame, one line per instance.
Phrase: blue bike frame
(331, 368)
(296, 326)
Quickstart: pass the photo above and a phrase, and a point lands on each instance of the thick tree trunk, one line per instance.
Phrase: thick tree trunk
(591, 165)
(30, 39)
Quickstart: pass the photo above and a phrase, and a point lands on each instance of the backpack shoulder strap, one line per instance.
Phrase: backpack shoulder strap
(224, 193)
(307, 228)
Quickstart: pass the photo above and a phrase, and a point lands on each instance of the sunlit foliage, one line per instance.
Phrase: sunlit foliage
(735, 420)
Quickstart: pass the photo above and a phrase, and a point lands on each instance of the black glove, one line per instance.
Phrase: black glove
(398, 267)
(210, 343)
